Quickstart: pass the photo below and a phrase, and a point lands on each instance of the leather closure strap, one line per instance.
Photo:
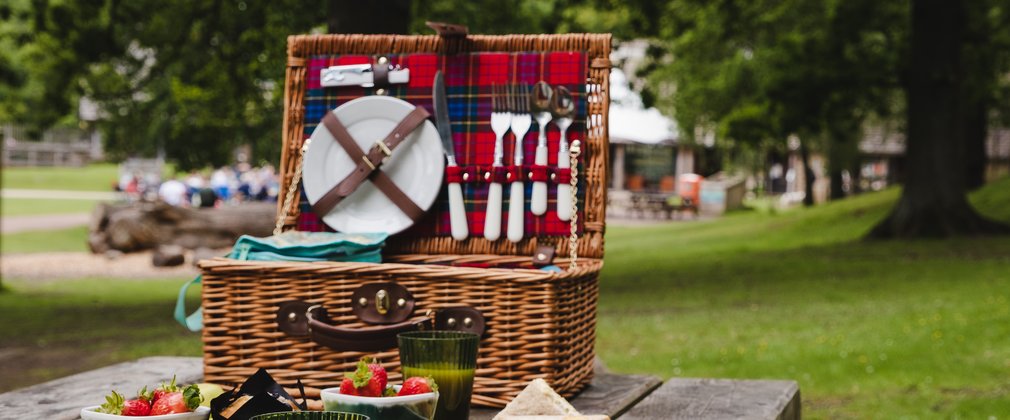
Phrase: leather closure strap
(448, 29)
(380, 74)
(303, 319)
(367, 164)
(370, 338)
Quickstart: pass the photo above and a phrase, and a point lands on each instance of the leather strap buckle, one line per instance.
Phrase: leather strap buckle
(368, 162)
(385, 149)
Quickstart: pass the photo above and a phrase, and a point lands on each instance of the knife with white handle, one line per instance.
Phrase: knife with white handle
(457, 213)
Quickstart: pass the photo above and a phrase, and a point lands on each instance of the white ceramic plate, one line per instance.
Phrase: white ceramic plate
(90, 413)
(416, 166)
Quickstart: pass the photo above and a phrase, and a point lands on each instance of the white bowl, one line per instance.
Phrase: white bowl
(386, 408)
(91, 413)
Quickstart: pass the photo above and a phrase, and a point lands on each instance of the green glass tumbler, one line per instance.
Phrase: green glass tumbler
(450, 358)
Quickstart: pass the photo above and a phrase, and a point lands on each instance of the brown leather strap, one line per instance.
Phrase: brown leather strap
(303, 319)
(371, 338)
(367, 165)
(448, 29)
(380, 74)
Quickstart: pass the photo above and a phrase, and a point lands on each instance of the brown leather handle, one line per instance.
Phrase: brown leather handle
(370, 338)
(300, 319)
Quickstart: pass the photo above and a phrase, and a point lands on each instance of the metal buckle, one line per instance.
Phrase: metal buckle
(367, 162)
(385, 149)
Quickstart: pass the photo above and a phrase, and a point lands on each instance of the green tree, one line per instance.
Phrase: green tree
(940, 94)
(193, 78)
(757, 72)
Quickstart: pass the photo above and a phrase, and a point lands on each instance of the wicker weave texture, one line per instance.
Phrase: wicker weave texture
(539, 324)
(594, 169)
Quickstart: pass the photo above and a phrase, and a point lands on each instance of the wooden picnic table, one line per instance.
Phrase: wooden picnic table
(637, 397)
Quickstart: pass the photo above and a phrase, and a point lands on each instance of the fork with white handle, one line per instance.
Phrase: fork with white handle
(519, 107)
(501, 119)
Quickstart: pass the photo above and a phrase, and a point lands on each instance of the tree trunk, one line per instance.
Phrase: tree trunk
(368, 17)
(855, 177)
(808, 176)
(136, 227)
(980, 62)
(975, 131)
(837, 184)
(933, 202)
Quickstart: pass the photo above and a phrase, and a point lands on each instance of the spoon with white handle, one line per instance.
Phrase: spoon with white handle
(563, 108)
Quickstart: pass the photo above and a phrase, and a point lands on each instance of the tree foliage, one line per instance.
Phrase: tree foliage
(194, 78)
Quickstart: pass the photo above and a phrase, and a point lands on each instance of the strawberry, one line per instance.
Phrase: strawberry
(113, 404)
(347, 387)
(379, 376)
(369, 380)
(117, 404)
(164, 389)
(136, 407)
(417, 385)
(177, 402)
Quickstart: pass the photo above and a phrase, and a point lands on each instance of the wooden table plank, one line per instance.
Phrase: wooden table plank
(65, 397)
(720, 399)
(609, 394)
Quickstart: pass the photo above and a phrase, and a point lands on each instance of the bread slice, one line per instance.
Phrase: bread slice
(538, 399)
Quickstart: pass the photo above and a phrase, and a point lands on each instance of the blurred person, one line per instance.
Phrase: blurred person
(195, 182)
(250, 184)
(173, 192)
(268, 179)
(219, 183)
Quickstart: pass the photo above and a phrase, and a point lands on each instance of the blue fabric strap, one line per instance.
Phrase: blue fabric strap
(193, 322)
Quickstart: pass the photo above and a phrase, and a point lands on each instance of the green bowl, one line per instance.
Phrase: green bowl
(312, 415)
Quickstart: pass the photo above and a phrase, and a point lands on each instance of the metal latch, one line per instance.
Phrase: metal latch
(360, 75)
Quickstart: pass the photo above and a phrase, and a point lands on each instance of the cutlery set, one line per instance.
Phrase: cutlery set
(513, 108)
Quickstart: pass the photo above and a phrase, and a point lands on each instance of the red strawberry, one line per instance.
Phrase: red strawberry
(136, 407)
(163, 389)
(418, 385)
(177, 402)
(115, 404)
(347, 387)
(369, 380)
(378, 376)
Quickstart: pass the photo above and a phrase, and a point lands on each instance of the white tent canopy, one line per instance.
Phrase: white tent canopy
(631, 122)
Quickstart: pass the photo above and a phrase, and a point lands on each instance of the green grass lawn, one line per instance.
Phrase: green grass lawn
(869, 329)
(61, 240)
(39, 206)
(63, 327)
(95, 177)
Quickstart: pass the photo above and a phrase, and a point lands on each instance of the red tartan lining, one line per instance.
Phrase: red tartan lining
(469, 109)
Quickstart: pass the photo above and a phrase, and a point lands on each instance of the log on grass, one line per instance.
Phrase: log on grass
(141, 226)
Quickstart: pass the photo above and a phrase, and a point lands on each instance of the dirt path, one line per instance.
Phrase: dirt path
(73, 265)
(59, 194)
(15, 224)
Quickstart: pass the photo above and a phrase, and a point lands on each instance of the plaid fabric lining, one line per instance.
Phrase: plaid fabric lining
(469, 79)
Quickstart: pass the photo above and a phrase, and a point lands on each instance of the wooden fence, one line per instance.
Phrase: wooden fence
(57, 147)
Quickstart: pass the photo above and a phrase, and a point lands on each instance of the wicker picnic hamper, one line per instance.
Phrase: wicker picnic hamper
(538, 324)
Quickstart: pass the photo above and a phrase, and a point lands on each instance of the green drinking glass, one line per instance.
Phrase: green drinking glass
(450, 358)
